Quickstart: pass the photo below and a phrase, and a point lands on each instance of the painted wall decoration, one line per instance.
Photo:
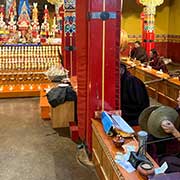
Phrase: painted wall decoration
(69, 35)
(70, 23)
(70, 4)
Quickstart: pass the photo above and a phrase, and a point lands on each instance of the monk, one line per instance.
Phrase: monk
(172, 160)
(168, 151)
(138, 52)
(156, 62)
(134, 96)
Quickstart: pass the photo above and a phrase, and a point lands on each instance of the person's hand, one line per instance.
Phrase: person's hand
(168, 126)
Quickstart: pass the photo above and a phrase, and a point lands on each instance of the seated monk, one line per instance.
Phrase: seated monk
(134, 96)
(156, 62)
(169, 150)
(138, 52)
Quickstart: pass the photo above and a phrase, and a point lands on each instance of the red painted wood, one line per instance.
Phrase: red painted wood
(112, 29)
(95, 5)
(89, 63)
(113, 6)
(149, 45)
(67, 54)
(82, 66)
(74, 62)
(162, 48)
(94, 85)
(174, 51)
(112, 57)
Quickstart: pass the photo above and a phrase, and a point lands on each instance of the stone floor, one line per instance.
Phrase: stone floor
(31, 150)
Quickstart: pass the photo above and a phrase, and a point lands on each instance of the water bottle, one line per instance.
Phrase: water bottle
(142, 139)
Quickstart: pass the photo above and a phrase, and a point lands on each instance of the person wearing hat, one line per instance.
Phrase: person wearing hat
(163, 123)
(156, 61)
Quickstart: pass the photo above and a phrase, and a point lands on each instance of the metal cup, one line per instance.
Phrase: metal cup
(142, 139)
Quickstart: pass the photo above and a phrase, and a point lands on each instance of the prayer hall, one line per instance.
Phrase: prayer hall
(90, 90)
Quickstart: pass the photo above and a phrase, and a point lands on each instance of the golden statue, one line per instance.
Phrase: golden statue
(35, 12)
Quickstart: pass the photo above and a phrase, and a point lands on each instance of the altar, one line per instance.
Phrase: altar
(28, 48)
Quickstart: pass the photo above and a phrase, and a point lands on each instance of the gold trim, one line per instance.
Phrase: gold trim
(104, 173)
(103, 63)
(103, 56)
(104, 5)
(96, 156)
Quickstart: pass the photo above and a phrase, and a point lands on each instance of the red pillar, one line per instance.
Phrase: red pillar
(148, 30)
(82, 65)
(149, 36)
(98, 39)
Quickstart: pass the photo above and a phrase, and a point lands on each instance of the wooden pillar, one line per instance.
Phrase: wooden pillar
(98, 43)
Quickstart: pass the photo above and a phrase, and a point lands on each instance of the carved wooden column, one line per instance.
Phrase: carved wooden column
(98, 39)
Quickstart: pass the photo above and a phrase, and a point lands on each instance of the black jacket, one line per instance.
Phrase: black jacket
(134, 97)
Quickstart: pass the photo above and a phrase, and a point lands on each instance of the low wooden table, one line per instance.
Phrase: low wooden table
(164, 91)
(103, 155)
